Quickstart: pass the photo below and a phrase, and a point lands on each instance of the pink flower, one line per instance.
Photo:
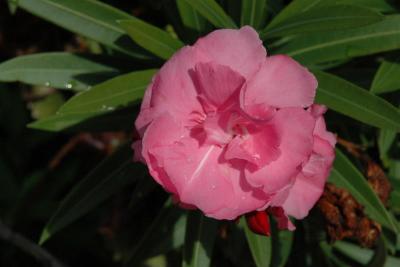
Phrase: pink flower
(228, 130)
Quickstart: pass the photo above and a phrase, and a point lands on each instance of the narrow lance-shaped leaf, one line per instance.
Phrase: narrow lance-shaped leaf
(345, 175)
(107, 120)
(107, 178)
(58, 69)
(12, 6)
(385, 140)
(336, 45)
(96, 104)
(90, 18)
(299, 6)
(281, 246)
(112, 94)
(260, 246)
(387, 78)
(151, 38)
(191, 19)
(199, 240)
(213, 12)
(362, 255)
(253, 13)
(353, 101)
(322, 19)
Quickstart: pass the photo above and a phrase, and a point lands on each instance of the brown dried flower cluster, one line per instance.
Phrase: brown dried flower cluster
(345, 217)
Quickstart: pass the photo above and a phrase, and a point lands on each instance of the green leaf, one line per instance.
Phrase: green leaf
(60, 122)
(355, 102)
(281, 246)
(345, 175)
(151, 38)
(213, 12)
(385, 141)
(297, 7)
(191, 19)
(60, 70)
(112, 174)
(253, 13)
(90, 18)
(322, 19)
(380, 254)
(47, 106)
(335, 45)
(362, 255)
(12, 6)
(107, 120)
(327, 250)
(165, 233)
(260, 246)
(199, 240)
(386, 79)
(112, 94)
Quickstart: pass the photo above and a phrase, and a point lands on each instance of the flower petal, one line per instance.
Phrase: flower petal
(207, 182)
(163, 131)
(172, 89)
(241, 50)
(282, 218)
(294, 126)
(216, 83)
(281, 82)
(258, 146)
(309, 184)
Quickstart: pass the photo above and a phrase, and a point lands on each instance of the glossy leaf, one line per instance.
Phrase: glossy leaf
(60, 122)
(355, 102)
(151, 38)
(12, 6)
(108, 120)
(107, 178)
(253, 13)
(299, 6)
(199, 240)
(380, 254)
(281, 246)
(345, 175)
(385, 141)
(362, 255)
(260, 246)
(59, 69)
(322, 19)
(335, 45)
(90, 18)
(213, 12)
(191, 19)
(387, 78)
(112, 94)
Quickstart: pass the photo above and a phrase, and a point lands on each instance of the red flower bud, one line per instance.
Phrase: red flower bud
(258, 222)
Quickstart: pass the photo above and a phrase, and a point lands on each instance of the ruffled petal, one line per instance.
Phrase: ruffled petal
(241, 50)
(281, 82)
(309, 184)
(216, 83)
(207, 182)
(162, 131)
(294, 126)
(258, 146)
(282, 218)
(172, 90)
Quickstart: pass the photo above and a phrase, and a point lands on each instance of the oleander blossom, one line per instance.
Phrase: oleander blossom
(230, 131)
